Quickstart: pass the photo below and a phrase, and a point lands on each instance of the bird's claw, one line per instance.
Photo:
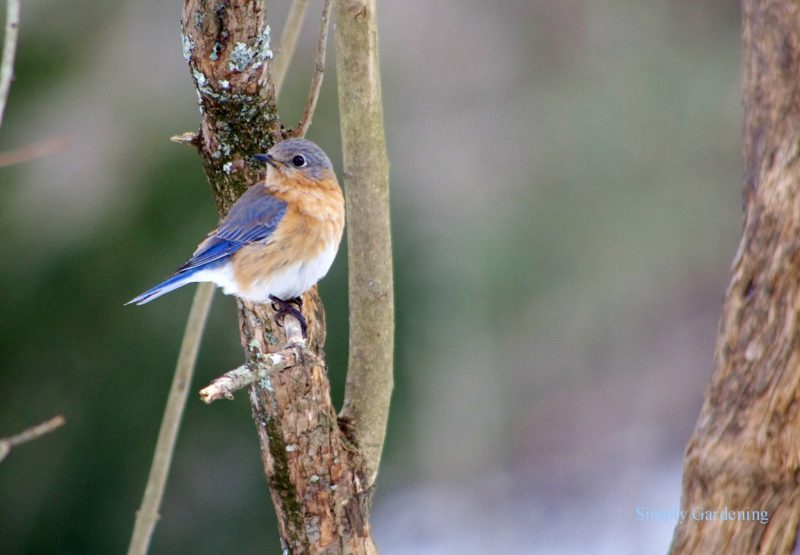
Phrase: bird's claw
(292, 306)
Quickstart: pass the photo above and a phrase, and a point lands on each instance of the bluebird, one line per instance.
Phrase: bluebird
(278, 239)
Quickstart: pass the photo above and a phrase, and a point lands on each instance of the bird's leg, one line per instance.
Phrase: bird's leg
(292, 306)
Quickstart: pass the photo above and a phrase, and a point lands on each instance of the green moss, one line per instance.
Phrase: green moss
(241, 125)
(280, 482)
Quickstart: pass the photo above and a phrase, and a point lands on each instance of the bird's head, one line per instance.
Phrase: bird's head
(298, 158)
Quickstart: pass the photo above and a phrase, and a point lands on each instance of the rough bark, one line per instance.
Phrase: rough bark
(366, 175)
(315, 478)
(745, 451)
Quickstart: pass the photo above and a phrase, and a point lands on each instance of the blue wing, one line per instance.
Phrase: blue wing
(253, 217)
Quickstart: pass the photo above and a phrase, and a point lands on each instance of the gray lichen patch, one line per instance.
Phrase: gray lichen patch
(241, 57)
(214, 56)
(188, 46)
(202, 82)
(266, 383)
(199, 18)
(263, 51)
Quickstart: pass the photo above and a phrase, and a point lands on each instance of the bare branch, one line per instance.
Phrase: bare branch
(226, 385)
(240, 377)
(9, 52)
(297, 13)
(186, 138)
(366, 171)
(319, 72)
(147, 515)
(33, 151)
(294, 353)
(6, 444)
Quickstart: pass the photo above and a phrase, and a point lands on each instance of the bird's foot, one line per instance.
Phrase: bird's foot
(292, 306)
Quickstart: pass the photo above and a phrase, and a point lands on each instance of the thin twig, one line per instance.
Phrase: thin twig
(242, 376)
(147, 515)
(9, 52)
(319, 72)
(297, 13)
(29, 435)
(33, 151)
(186, 138)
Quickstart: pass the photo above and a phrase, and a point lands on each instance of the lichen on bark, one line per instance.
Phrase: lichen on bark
(227, 47)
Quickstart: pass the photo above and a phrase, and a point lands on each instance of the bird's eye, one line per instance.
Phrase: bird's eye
(298, 161)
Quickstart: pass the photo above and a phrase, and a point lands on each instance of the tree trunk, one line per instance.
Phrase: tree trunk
(744, 455)
(315, 477)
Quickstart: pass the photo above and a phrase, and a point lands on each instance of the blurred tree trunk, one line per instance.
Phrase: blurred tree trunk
(745, 451)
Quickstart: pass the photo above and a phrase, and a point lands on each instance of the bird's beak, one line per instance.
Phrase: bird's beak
(267, 158)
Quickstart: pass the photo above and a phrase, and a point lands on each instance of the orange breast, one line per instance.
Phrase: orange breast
(314, 220)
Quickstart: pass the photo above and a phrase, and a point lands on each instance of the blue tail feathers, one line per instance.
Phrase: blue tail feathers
(169, 284)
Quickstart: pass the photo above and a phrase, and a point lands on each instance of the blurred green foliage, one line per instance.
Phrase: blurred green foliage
(565, 205)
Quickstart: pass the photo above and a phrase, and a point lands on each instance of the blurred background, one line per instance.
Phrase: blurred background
(566, 204)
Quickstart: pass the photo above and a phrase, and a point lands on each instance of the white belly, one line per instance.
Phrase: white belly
(291, 282)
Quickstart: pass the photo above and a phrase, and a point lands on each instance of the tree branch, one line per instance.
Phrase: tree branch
(9, 52)
(147, 515)
(366, 175)
(264, 367)
(297, 13)
(319, 72)
(33, 151)
(6, 444)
